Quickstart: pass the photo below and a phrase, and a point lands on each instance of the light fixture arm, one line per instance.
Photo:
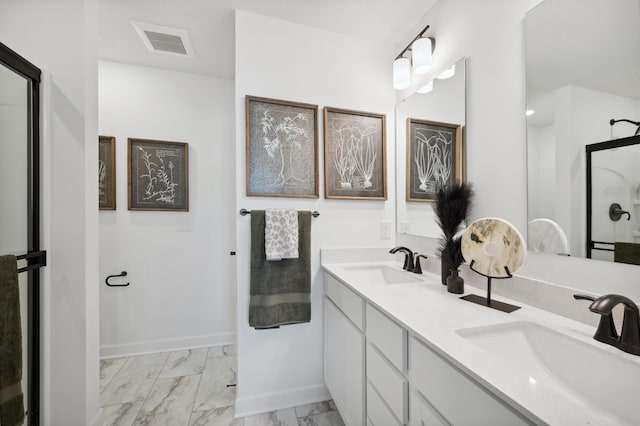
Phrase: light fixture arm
(420, 34)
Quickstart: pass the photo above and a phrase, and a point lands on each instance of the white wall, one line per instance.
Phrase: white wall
(70, 293)
(541, 154)
(14, 114)
(277, 59)
(182, 291)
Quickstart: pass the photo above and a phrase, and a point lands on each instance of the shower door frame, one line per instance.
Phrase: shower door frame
(34, 257)
(591, 148)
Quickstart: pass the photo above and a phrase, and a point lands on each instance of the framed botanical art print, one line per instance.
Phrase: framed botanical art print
(107, 172)
(282, 147)
(354, 155)
(158, 175)
(434, 157)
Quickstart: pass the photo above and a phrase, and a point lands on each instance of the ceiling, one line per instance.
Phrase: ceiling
(210, 24)
(593, 44)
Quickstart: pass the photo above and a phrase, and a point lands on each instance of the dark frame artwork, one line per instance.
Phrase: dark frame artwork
(107, 172)
(281, 148)
(354, 155)
(435, 157)
(158, 175)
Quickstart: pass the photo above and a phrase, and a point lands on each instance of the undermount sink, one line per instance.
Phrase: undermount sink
(383, 274)
(582, 371)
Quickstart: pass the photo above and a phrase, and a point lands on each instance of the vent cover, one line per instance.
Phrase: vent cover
(160, 39)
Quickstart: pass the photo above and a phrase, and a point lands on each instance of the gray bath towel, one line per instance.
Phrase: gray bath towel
(11, 401)
(280, 291)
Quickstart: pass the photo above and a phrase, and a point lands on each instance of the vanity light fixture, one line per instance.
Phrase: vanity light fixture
(448, 73)
(421, 57)
(426, 88)
(401, 73)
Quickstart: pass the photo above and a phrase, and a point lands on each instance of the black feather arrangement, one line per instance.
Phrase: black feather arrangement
(452, 207)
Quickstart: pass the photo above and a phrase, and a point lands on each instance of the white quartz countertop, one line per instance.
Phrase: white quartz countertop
(433, 315)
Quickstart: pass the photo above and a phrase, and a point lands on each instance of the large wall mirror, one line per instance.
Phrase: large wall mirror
(442, 108)
(582, 71)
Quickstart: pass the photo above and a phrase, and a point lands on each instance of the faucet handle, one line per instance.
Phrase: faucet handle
(417, 268)
(606, 331)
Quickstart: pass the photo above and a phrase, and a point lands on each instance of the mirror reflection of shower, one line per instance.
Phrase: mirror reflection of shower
(612, 122)
(613, 200)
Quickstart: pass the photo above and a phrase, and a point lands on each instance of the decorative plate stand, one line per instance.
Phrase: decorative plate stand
(494, 248)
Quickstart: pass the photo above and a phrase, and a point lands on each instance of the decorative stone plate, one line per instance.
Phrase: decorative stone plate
(492, 244)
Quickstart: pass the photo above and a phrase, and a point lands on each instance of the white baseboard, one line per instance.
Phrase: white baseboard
(166, 345)
(265, 403)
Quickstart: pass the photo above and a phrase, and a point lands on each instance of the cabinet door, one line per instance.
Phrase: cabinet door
(344, 364)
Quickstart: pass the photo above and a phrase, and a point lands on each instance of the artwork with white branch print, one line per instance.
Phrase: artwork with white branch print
(354, 155)
(434, 158)
(158, 175)
(106, 172)
(281, 148)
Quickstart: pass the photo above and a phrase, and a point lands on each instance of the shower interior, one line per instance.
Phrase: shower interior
(613, 199)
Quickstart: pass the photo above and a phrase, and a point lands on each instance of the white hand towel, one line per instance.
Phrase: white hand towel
(281, 234)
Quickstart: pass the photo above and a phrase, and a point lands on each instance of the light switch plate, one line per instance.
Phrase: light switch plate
(405, 227)
(385, 230)
(183, 223)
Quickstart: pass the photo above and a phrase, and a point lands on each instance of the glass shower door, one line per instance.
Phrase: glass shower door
(19, 211)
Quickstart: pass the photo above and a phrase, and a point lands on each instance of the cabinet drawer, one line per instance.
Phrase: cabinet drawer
(345, 299)
(422, 414)
(388, 337)
(459, 399)
(392, 387)
(378, 413)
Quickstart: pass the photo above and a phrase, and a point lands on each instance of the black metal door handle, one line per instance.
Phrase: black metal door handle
(121, 274)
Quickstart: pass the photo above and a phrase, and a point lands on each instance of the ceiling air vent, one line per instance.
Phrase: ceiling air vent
(161, 39)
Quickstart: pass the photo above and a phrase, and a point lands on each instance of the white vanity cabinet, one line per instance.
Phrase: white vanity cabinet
(344, 350)
(379, 374)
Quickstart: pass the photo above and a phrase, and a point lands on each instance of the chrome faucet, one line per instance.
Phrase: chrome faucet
(629, 339)
(408, 257)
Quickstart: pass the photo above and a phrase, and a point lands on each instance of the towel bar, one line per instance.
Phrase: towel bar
(35, 260)
(244, 212)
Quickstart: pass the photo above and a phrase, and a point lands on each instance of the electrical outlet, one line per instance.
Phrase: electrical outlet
(183, 224)
(405, 227)
(385, 230)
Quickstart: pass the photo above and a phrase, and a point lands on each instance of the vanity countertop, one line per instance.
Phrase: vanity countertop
(433, 315)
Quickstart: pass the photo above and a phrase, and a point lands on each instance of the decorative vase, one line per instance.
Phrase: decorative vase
(455, 283)
(446, 267)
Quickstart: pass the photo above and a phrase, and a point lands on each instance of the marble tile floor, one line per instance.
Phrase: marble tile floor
(188, 388)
